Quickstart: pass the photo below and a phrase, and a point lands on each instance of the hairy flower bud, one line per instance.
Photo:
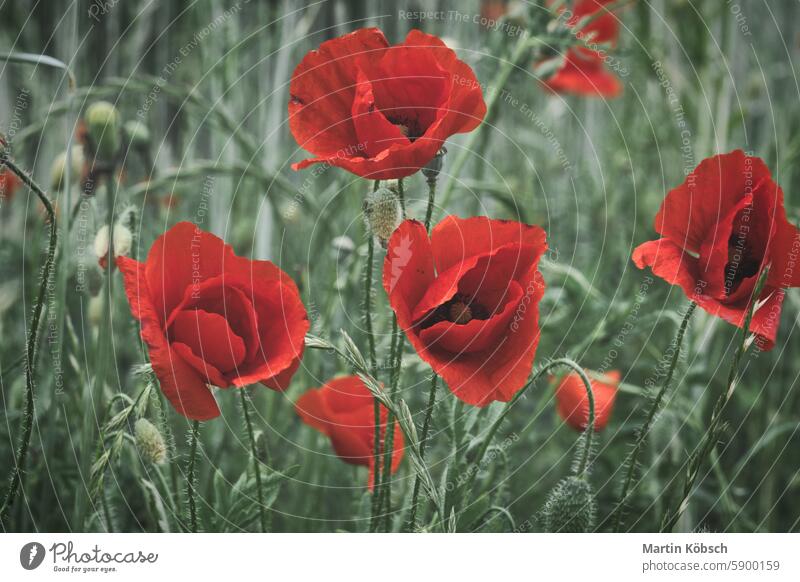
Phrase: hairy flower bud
(103, 127)
(123, 240)
(382, 213)
(58, 169)
(149, 441)
(570, 507)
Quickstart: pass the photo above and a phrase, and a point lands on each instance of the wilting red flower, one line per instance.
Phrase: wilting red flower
(210, 317)
(583, 71)
(720, 229)
(9, 183)
(343, 410)
(573, 404)
(468, 300)
(381, 111)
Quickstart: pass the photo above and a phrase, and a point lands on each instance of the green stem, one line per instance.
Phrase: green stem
(401, 194)
(712, 434)
(426, 424)
(388, 446)
(256, 463)
(190, 476)
(497, 84)
(475, 467)
(376, 447)
(33, 339)
(633, 457)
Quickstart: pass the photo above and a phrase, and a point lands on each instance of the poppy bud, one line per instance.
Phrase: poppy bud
(136, 134)
(58, 169)
(123, 240)
(150, 443)
(382, 213)
(102, 125)
(570, 507)
(431, 169)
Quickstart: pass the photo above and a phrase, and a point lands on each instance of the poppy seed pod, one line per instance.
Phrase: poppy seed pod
(382, 213)
(149, 442)
(570, 507)
(123, 240)
(136, 134)
(94, 311)
(103, 128)
(58, 169)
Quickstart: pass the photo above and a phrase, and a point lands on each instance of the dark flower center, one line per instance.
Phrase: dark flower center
(741, 262)
(460, 310)
(408, 127)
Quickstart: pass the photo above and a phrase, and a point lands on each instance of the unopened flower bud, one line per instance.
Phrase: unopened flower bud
(136, 134)
(123, 240)
(149, 441)
(58, 169)
(570, 507)
(382, 213)
(431, 169)
(103, 127)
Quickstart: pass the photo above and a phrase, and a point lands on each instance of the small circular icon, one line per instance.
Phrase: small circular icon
(31, 555)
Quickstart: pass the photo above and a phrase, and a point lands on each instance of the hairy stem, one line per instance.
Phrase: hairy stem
(33, 339)
(644, 431)
(190, 477)
(256, 463)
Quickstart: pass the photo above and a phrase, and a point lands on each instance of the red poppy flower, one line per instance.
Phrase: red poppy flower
(9, 183)
(583, 71)
(381, 111)
(720, 229)
(573, 404)
(467, 298)
(210, 317)
(343, 410)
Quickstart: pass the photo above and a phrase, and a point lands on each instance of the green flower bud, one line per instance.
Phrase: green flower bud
(149, 441)
(136, 133)
(431, 169)
(58, 169)
(382, 213)
(103, 127)
(570, 507)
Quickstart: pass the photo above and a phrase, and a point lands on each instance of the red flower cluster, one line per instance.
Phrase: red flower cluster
(9, 183)
(584, 71)
(343, 410)
(720, 229)
(572, 402)
(210, 317)
(381, 111)
(467, 298)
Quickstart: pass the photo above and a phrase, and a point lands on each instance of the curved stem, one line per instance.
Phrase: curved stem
(190, 476)
(473, 471)
(412, 520)
(33, 338)
(643, 432)
(588, 433)
(256, 463)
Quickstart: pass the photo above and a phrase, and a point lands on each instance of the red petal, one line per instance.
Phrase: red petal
(584, 73)
(455, 239)
(181, 384)
(182, 257)
(209, 337)
(322, 91)
(573, 404)
(692, 210)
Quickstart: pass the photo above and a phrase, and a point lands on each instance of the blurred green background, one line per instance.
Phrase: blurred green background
(210, 82)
